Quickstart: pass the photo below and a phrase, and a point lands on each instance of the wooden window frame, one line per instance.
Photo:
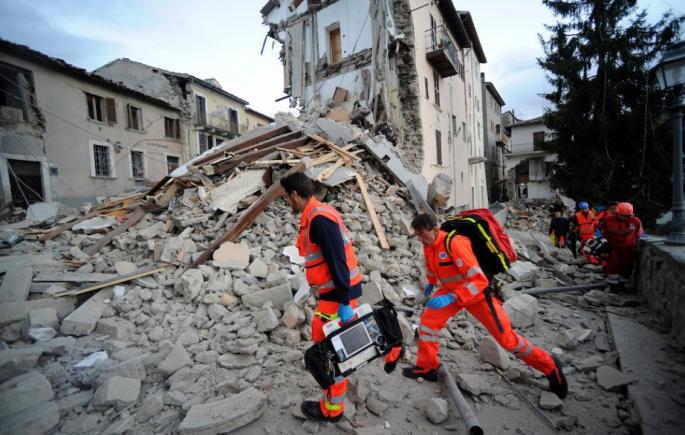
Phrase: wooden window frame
(135, 112)
(438, 147)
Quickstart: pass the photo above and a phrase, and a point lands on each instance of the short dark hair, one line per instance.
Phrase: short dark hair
(298, 182)
(424, 221)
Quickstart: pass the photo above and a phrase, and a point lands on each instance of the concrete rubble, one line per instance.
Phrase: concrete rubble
(213, 342)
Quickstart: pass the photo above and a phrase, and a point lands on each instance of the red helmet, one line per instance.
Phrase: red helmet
(624, 209)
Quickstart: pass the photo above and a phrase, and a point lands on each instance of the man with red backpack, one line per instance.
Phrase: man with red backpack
(453, 267)
(622, 230)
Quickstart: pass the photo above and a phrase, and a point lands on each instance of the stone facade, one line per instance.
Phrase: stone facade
(660, 280)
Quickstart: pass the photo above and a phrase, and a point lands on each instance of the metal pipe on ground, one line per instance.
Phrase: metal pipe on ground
(467, 414)
(542, 290)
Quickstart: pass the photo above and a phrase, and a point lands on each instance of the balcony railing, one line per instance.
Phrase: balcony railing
(442, 53)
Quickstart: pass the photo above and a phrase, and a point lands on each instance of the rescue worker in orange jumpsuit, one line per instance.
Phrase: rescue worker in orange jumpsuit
(331, 267)
(461, 284)
(622, 230)
(585, 222)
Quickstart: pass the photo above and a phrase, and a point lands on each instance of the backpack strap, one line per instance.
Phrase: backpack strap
(488, 241)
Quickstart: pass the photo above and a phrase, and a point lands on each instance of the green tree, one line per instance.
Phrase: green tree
(613, 140)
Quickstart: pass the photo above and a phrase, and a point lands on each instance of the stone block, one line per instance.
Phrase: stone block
(125, 267)
(223, 416)
(16, 285)
(42, 317)
(22, 392)
(372, 293)
(14, 362)
(473, 383)
(12, 312)
(521, 270)
(117, 391)
(151, 406)
(37, 420)
(83, 320)
(292, 316)
(190, 284)
(76, 400)
(236, 361)
(266, 320)
(232, 256)
(491, 352)
(177, 358)
(278, 296)
(258, 269)
(550, 400)
(436, 410)
(588, 364)
(117, 329)
(406, 328)
(570, 338)
(522, 310)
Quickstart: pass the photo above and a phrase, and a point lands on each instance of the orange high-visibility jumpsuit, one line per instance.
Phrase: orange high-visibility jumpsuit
(586, 231)
(459, 273)
(319, 275)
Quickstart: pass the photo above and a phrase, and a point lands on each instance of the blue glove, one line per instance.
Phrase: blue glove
(438, 302)
(345, 313)
(428, 290)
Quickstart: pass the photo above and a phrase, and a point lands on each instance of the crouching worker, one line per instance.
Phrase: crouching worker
(461, 284)
(331, 268)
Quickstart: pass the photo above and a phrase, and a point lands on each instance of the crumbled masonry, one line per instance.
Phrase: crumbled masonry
(214, 342)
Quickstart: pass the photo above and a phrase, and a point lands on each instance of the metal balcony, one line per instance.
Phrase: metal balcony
(442, 53)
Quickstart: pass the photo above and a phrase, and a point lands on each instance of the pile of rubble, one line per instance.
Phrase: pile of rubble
(184, 308)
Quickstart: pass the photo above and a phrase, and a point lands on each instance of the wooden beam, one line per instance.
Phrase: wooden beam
(330, 170)
(242, 145)
(110, 282)
(334, 147)
(248, 216)
(257, 154)
(372, 212)
(158, 186)
(133, 219)
(287, 137)
(166, 197)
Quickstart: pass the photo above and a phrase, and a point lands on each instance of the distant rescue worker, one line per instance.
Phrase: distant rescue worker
(609, 211)
(585, 224)
(622, 230)
(461, 285)
(572, 234)
(331, 267)
(558, 229)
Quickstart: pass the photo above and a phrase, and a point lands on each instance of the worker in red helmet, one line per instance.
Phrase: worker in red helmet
(622, 230)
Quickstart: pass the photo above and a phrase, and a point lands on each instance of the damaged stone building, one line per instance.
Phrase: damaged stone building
(496, 140)
(407, 69)
(528, 164)
(212, 114)
(69, 135)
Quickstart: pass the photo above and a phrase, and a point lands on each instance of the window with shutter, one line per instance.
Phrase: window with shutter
(438, 147)
(335, 45)
(111, 110)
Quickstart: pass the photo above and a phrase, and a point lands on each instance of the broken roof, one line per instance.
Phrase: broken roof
(185, 76)
(62, 66)
(462, 26)
(260, 114)
(521, 123)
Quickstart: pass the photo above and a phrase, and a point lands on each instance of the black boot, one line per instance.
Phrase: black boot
(312, 410)
(430, 375)
(389, 367)
(557, 380)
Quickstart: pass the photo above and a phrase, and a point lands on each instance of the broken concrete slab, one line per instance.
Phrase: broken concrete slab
(177, 358)
(125, 267)
(13, 262)
(117, 329)
(17, 311)
(473, 383)
(589, 364)
(151, 406)
(83, 320)
(77, 277)
(37, 420)
(372, 294)
(278, 296)
(14, 362)
(406, 328)
(491, 352)
(117, 391)
(266, 320)
(190, 284)
(40, 212)
(42, 317)
(611, 379)
(522, 310)
(226, 196)
(258, 269)
(236, 361)
(232, 256)
(22, 392)
(292, 316)
(521, 270)
(95, 224)
(439, 191)
(223, 416)
(570, 338)
(16, 285)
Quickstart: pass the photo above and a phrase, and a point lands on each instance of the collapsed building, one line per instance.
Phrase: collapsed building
(183, 309)
(405, 68)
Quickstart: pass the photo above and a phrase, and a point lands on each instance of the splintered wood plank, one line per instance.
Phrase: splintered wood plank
(166, 197)
(133, 219)
(372, 212)
(257, 154)
(248, 216)
(242, 144)
(330, 170)
(72, 277)
(110, 282)
(159, 185)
